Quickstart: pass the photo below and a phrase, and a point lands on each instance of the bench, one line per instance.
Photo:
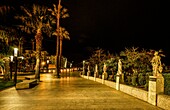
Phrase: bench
(29, 78)
(26, 84)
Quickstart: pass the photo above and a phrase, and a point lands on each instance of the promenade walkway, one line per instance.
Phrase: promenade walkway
(69, 93)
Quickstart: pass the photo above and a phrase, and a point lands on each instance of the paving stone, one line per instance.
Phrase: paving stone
(71, 93)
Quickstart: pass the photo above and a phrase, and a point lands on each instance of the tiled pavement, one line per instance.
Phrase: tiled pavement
(69, 93)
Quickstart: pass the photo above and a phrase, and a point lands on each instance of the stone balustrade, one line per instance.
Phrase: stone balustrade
(153, 96)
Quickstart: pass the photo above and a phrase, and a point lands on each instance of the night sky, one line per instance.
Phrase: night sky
(109, 24)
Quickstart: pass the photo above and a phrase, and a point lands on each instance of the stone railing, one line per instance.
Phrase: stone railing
(154, 95)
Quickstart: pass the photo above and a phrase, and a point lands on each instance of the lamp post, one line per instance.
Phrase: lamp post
(48, 61)
(15, 59)
(71, 67)
(83, 67)
(11, 62)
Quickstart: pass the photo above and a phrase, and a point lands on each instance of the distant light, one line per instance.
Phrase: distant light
(43, 63)
(11, 57)
(70, 65)
(48, 61)
(15, 52)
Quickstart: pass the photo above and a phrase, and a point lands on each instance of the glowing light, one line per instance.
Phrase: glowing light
(15, 52)
(43, 63)
(11, 57)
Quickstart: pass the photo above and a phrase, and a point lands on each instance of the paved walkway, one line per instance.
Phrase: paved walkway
(68, 93)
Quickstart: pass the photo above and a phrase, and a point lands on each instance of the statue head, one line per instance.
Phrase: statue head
(156, 53)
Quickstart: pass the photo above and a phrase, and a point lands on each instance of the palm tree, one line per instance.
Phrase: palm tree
(63, 34)
(35, 21)
(33, 42)
(59, 32)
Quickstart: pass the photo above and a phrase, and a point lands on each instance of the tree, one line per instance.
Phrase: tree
(137, 64)
(98, 57)
(7, 39)
(59, 32)
(5, 51)
(35, 21)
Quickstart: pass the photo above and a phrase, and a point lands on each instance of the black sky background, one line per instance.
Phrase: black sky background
(109, 24)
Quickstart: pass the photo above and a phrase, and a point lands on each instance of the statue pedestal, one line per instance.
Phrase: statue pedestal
(83, 72)
(156, 86)
(117, 82)
(95, 76)
(122, 78)
(88, 74)
(104, 77)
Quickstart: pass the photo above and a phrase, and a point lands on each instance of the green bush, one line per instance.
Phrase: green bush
(167, 83)
(6, 84)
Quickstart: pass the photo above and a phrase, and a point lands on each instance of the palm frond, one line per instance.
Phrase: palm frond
(5, 9)
(26, 11)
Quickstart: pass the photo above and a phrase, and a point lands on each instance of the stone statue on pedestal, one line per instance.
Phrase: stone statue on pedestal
(96, 68)
(88, 72)
(156, 65)
(88, 68)
(119, 72)
(104, 68)
(156, 82)
(104, 72)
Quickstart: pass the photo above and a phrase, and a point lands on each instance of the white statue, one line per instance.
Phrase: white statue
(96, 68)
(104, 68)
(119, 72)
(88, 68)
(156, 64)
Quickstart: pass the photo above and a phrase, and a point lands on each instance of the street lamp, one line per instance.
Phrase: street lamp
(11, 61)
(48, 61)
(15, 52)
(83, 67)
(15, 59)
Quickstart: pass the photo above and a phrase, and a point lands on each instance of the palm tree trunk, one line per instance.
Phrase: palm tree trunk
(57, 57)
(58, 42)
(61, 43)
(38, 38)
(32, 41)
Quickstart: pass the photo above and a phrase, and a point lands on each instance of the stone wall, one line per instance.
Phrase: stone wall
(110, 84)
(138, 93)
(163, 101)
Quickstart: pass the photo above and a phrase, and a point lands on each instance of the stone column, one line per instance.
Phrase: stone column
(96, 72)
(104, 75)
(94, 76)
(122, 78)
(88, 72)
(119, 75)
(117, 82)
(156, 86)
(103, 78)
